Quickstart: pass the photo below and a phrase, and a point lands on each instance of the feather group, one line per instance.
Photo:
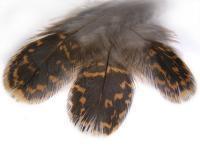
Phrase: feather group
(104, 47)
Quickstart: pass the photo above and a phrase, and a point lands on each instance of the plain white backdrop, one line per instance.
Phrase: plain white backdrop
(152, 123)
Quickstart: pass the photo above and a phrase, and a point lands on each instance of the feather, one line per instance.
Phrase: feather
(105, 46)
(40, 68)
(101, 97)
(165, 69)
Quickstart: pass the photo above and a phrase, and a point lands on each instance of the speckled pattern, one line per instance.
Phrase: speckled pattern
(169, 73)
(101, 97)
(102, 49)
(40, 68)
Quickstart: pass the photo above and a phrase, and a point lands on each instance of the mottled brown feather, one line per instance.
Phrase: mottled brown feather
(42, 67)
(106, 98)
(168, 72)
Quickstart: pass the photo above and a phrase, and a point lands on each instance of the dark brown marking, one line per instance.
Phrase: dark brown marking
(107, 97)
(118, 96)
(53, 79)
(108, 103)
(38, 70)
(79, 89)
(93, 75)
(83, 100)
(124, 84)
(169, 73)
(25, 61)
(39, 42)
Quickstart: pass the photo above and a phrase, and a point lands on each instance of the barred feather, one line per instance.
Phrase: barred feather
(40, 68)
(106, 45)
(168, 72)
(101, 97)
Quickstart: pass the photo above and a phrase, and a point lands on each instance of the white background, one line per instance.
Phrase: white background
(152, 123)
